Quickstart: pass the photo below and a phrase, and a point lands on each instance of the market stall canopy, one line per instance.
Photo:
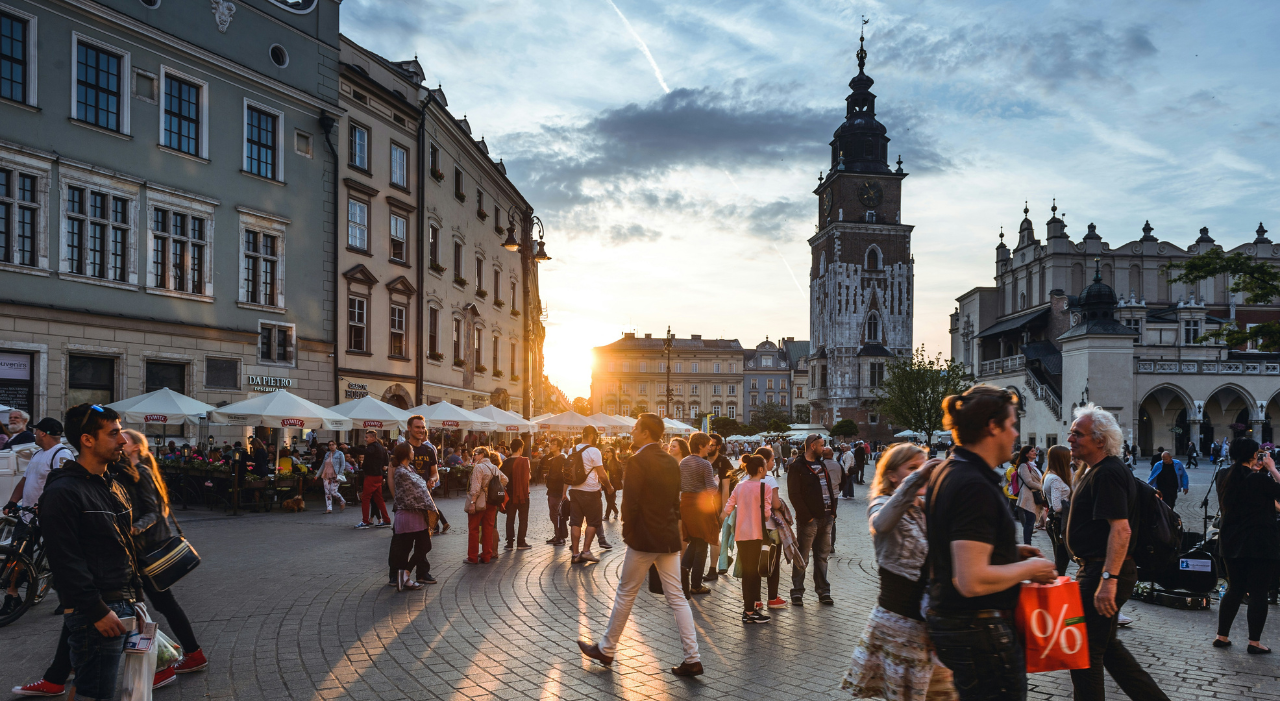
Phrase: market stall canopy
(163, 406)
(610, 424)
(629, 421)
(568, 421)
(446, 415)
(802, 432)
(370, 413)
(508, 421)
(677, 428)
(540, 417)
(279, 409)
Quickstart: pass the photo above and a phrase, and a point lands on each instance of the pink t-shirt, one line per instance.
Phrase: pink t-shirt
(746, 497)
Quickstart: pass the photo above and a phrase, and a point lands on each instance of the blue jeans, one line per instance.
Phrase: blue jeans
(95, 658)
(984, 654)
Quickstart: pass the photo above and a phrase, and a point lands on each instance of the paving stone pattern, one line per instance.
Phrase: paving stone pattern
(295, 606)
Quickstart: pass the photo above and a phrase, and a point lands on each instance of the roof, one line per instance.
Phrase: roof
(1047, 353)
(630, 342)
(796, 350)
(875, 350)
(1106, 326)
(1015, 322)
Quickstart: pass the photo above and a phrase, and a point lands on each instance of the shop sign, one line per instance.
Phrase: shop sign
(512, 429)
(156, 419)
(356, 390)
(263, 383)
(449, 424)
(293, 423)
(15, 366)
(372, 424)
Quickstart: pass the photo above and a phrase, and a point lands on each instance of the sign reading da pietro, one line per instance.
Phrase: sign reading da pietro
(263, 383)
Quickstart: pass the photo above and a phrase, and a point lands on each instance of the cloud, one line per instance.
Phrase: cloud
(632, 232)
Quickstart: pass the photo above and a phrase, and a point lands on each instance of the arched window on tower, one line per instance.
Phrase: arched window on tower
(873, 327)
(822, 264)
(873, 253)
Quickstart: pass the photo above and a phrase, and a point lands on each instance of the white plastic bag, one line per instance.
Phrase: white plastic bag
(140, 658)
(167, 652)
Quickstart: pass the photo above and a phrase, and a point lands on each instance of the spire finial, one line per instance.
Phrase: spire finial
(1026, 209)
(1002, 235)
(862, 51)
(899, 163)
(1097, 269)
(1054, 208)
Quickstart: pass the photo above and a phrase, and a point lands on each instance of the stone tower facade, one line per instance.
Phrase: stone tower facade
(861, 279)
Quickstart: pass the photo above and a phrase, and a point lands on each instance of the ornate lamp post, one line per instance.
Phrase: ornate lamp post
(666, 346)
(529, 254)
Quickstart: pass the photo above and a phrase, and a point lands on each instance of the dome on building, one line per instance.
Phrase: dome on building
(1098, 299)
(767, 345)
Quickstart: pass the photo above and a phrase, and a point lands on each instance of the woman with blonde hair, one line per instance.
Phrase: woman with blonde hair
(894, 659)
(481, 515)
(1057, 490)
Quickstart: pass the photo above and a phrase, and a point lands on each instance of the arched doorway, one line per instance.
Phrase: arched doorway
(1206, 434)
(1162, 421)
(1240, 427)
(397, 396)
(1182, 433)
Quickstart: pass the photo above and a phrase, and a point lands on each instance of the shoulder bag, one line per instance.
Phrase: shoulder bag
(768, 537)
(165, 565)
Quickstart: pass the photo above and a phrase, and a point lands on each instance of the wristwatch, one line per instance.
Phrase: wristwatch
(1107, 575)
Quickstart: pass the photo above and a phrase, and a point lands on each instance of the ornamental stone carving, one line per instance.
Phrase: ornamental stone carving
(222, 11)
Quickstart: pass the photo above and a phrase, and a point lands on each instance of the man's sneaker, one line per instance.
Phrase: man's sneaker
(164, 677)
(750, 618)
(427, 580)
(523, 546)
(586, 556)
(383, 524)
(362, 525)
(510, 546)
(777, 602)
(1123, 620)
(445, 529)
(760, 617)
(604, 545)
(191, 662)
(797, 601)
(826, 599)
(40, 688)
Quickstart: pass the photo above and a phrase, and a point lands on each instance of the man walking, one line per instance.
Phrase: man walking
(516, 469)
(860, 460)
(372, 468)
(584, 497)
(811, 489)
(1104, 505)
(651, 531)
(1167, 476)
(699, 492)
(554, 470)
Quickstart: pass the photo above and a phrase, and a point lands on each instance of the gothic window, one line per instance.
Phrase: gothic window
(873, 254)
(1022, 300)
(873, 327)
(822, 264)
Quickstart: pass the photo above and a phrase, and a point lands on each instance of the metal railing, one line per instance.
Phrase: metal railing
(1044, 393)
(1001, 365)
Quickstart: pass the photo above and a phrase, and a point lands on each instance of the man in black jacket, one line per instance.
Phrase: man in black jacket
(85, 518)
(651, 530)
(372, 470)
(811, 487)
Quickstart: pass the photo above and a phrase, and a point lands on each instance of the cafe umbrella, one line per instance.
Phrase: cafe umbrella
(163, 406)
(508, 422)
(370, 413)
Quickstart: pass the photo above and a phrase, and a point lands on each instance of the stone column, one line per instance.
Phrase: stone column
(1256, 425)
(1195, 434)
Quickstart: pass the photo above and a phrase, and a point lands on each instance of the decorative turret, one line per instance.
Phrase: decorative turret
(1262, 235)
(861, 140)
(1204, 236)
(1002, 251)
(1146, 232)
(1093, 233)
(1026, 231)
(1056, 228)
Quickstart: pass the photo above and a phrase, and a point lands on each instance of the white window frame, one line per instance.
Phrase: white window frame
(293, 341)
(733, 390)
(693, 367)
(362, 322)
(203, 151)
(866, 257)
(364, 204)
(192, 206)
(644, 366)
(244, 139)
(715, 368)
(353, 154)
(404, 236)
(126, 73)
(404, 183)
(32, 162)
(263, 223)
(766, 361)
(113, 184)
(32, 56)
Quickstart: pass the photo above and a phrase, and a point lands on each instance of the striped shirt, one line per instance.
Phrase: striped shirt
(697, 475)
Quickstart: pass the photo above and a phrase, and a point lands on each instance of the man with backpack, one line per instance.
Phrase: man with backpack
(585, 475)
(1100, 533)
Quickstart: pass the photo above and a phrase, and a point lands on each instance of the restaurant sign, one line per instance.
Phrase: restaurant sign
(263, 383)
(449, 424)
(356, 390)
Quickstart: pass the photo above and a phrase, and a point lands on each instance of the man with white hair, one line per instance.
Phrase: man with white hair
(18, 431)
(1104, 505)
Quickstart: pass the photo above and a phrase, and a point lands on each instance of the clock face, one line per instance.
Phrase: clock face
(826, 202)
(870, 194)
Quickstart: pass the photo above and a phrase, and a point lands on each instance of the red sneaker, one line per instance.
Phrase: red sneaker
(40, 688)
(777, 603)
(164, 677)
(191, 662)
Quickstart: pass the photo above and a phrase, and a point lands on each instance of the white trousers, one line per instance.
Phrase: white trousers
(635, 570)
(331, 491)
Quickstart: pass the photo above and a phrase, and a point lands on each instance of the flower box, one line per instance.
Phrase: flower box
(481, 369)
(437, 268)
(437, 174)
(460, 281)
(499, 303)
(459, 363)
(435, 356)
(482, 214)
(497, 373)
(482, 293)
(462, 197)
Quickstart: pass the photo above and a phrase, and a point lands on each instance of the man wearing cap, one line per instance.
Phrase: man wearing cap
(811, 487)
(52, 454)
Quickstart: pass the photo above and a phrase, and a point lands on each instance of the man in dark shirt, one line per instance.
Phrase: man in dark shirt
(860, 460)
(555, 493)
(516, 468)
(977, 565)
(372, 468)
(1248, 492)
(811, 488)
(1104, 508)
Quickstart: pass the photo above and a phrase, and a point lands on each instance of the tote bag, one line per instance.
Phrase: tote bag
(1051, 619)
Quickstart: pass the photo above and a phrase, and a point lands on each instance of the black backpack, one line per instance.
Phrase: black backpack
(575, 472)
(496, 494)
(1158, 538)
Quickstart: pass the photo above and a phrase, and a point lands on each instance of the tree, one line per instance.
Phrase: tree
(911, 394)
(770, 418)
(638, 410)
(801, 412)
(1257, 280)
(726, 426)
(845, 428)
(582, 406)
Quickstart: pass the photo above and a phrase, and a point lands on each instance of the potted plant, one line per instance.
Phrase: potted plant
(480, 369)
(437, 174)
(482, 214)
(497, 229)
(459, 362)
(437, 268)
(515, 378)
(482, 293)
(499, 303)
(436, 356)
(515, 312)
(497, 373)
(459, 281)
(462, 196)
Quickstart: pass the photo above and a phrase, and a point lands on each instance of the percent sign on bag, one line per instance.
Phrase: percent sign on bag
(1051, 618)
(1069, 639)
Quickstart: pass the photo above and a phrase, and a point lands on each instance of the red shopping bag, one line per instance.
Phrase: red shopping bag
(1051, 619)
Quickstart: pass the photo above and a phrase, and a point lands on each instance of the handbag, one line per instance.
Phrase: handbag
(765, 565)
(1051, 620)
(165, 565)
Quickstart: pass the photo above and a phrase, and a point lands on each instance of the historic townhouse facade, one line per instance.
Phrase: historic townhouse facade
(164, 220)
(1069, 322)
(766, 378)
(630, 375)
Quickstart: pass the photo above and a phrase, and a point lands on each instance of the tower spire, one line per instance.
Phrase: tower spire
(862, 51)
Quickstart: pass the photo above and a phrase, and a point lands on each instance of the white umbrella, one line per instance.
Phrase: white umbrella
(609, 424)
(279, 409)
(368, 412)
(163, 406)
(629, 421)
(540, 417)
(908, 434)
(678, 428)
(569, 420)
(446, 415)
(509, 422)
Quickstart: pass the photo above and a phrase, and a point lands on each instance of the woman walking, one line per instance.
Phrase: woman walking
(141, 478)
(1029, 484)
(481, 515)
(613, 467)
(754, 502)
(335, 464)
(412, 539)
(1250, 538)
(894, 659)
(1057, 491)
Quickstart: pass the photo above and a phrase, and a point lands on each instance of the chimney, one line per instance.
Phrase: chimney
(628, 335)
(791, 339)
(648, 335)
(695, 337)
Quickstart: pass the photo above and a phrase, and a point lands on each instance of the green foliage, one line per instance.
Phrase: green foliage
(770, 418)
(726, 427)
(914, 387)
(638, 410)
(845, 428)
(1258, 281)
(801, 412)
(582, 406)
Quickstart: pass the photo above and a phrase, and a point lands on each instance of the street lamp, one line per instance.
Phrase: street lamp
(666, 346)
(528, 255)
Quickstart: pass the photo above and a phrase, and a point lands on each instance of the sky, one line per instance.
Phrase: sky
(671, 148)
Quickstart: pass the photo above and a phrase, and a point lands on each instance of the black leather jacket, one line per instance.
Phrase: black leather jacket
(85, 519)
(150, 513)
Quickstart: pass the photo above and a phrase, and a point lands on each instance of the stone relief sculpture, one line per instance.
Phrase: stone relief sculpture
(222, 11)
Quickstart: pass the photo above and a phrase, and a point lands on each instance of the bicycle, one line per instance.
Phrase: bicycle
(24, 566)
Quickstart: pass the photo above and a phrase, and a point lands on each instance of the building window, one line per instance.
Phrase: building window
(97, 234)
(496, 342)
(733, 390)
(90, 379)
(399, 166)
(260, 143)
(357, 224)
(433, 161)
(715, 411)
(221, 373)
(768, 398)
(755, 399)
(398, 346)
(457, 259)
(1134, 324)
(694, 410)
(782, 383)
(178, 247)
(261, 258)
(693, 367)
(1190, 331)
(662, 410)
(715, 368)
(644, 366)
(477, 349)
(399, 237)
(358, 147)
(715, 390)
(479, 200)
(873, 327)
(433, 332)
(161, 375)
(302, 143)
(13, 58)
(357, 325)
(873, 419)
(799, 392)
(873, 255)
(755, 383)
(513, 360)
(479, 274)
(768, 384)
(679, 367)
(497, 285)
(458, 184)
(275, 343)
(876, 375)
(733, 411)
(182, 116)
(626, 366)
(766, 361)
(457, 342)
(433, 245)
(693, 389)
(733, 367)
(98, 86)
(643, 387)
(513, 296)
(782, 399)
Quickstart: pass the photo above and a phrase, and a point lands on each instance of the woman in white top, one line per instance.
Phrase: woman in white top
(1057, 490)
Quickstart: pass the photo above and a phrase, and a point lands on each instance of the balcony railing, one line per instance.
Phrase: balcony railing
(1001, 365)
(1194, 367)
(1043, 393)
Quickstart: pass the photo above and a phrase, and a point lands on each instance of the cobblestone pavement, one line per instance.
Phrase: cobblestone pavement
(295, 606)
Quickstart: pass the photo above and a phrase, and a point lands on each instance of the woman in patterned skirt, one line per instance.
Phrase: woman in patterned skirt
(894, 660)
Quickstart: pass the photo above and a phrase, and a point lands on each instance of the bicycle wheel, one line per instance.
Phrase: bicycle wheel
(16, 570)
(44, 576)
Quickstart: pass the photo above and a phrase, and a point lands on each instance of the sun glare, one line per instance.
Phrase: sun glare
(570, 338)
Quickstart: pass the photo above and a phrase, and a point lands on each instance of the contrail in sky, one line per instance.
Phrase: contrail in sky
(643, 47)
(789, 270)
